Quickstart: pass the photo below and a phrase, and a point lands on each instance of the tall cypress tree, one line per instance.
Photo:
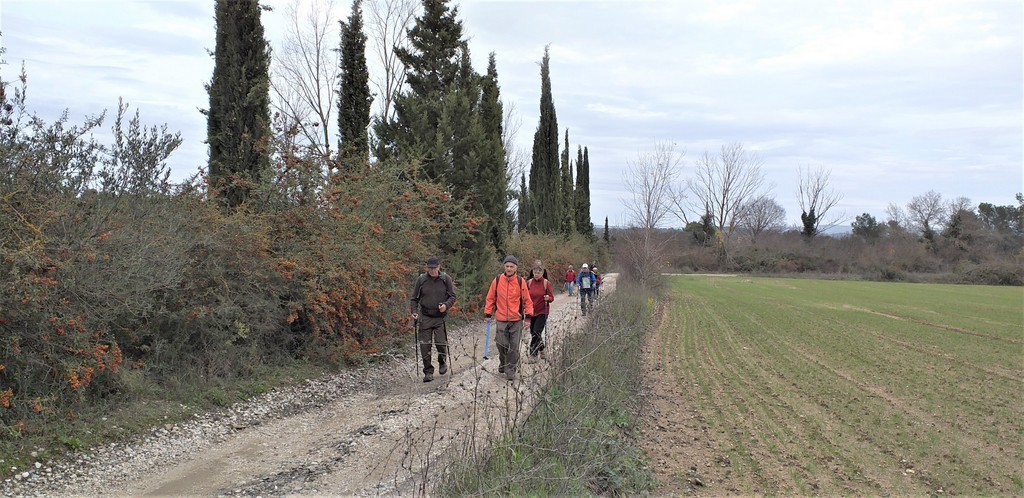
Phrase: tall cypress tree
(523, 220)
(467, 154)
(566, 201)
(354, 97)
(544, 172)
(493, 178)
(238, 120)
(583, 223)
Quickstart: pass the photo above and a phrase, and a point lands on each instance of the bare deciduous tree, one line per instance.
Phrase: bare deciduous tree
(959, 204)
(817, 198)
(653, 181)
(305, 74)
(723, 183)
(897, 217)
(387, 22)
(927, 213)
(515, 157)
(760, 215)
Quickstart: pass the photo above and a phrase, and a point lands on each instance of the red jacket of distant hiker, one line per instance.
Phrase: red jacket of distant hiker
(508, 299)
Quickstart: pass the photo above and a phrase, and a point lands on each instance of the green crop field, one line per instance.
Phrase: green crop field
(841, 387)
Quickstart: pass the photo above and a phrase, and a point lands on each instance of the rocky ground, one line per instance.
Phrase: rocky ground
(377, 430)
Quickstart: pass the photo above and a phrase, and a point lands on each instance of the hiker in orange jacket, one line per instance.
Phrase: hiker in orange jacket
(508, 301)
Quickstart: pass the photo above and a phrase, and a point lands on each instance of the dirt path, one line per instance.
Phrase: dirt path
(388, 439)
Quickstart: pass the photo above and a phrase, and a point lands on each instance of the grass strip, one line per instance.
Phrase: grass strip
(580, 437)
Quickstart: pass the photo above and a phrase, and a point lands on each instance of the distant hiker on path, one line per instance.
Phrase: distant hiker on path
(570, 280)
(542, 295)
(508, 300)
(586, 282)
(432, 297)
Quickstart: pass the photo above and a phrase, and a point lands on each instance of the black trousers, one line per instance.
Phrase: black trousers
(537, 334)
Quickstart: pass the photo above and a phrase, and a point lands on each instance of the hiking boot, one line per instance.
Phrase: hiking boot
(428, 377)
(443, 369)
(501, 369)
(510, 376)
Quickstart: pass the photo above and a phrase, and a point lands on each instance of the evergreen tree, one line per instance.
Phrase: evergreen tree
(238, 120)
(544, 171)
(523, 219)
(493, 178)
(354, 97)
(439, 124)
(809, 220)
(703, 231)
(582, 195)
(607, 236)
(567, 203)
(433, 63)
(469, 153)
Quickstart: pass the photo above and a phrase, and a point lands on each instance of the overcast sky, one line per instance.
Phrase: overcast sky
(894, 97)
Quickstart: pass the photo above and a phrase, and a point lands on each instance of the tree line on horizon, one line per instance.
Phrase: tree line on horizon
(740, 226)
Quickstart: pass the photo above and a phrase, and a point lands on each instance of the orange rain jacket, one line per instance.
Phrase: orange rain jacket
(506, 297)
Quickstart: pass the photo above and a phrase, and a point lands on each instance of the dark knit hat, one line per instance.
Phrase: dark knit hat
(511, 259)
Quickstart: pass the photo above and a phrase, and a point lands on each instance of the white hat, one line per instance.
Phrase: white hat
(584, 266)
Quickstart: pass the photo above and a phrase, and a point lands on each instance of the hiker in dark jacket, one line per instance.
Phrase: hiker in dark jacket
(432, 297)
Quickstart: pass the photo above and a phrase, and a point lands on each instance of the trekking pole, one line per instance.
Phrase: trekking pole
(447, 348)
(416, 342)
(487, 339)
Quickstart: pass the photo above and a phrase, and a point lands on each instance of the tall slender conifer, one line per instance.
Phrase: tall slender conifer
(238, 120)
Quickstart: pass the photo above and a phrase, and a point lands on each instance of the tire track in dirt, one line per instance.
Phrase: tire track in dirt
(932, 351)
(939, 326)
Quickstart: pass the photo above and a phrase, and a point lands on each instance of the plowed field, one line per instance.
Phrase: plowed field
(786, 386)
